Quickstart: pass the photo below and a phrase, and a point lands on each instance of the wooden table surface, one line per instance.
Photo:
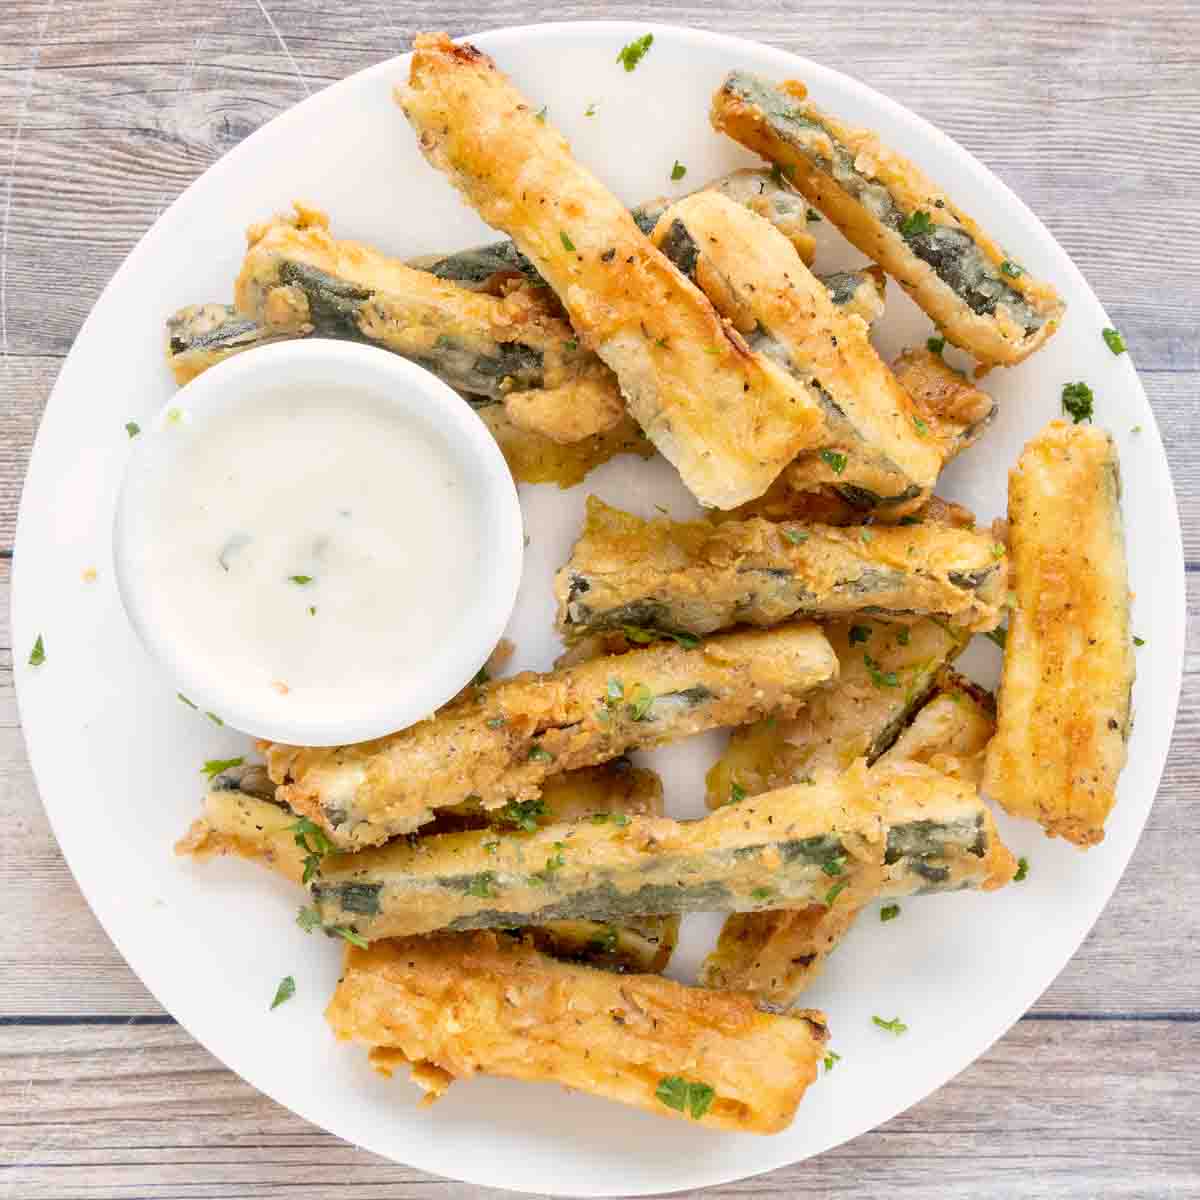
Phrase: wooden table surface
(1088, 109)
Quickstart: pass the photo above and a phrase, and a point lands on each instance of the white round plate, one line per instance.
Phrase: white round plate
(117, 756)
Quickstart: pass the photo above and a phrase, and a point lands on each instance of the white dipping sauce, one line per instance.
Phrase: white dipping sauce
(316, 542)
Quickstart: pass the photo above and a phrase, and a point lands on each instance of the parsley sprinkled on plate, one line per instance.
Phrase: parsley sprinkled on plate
(685, 1096)
(795, 536)
(889, 912)
(895, 1025)
(37, 655)
(1010, 268)
(215, 766)
(285, 991)
(132, 428)
(1137, 641)
(830, 1058)
(308, 919)
(1077, 401)
(568, 245)
(302, 580)
(678, 171)
(1022, 872)
(935, 344)
(811, 214)
(635, 51)
(737, 793)
(1113, 340)
(590, 111)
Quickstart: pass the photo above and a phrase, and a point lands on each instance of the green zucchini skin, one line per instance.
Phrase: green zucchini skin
(785, 849)
(692, 578)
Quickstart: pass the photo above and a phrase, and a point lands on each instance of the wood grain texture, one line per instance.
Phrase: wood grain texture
(1086, 108)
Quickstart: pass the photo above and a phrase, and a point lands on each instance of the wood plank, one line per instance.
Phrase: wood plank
(134, 1111)
(1129, 962)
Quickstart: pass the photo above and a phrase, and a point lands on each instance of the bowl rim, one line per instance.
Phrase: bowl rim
(428, 403)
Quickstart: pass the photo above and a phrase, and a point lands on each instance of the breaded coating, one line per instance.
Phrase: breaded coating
(885, 674)
(954, 411)
(979, 297)
(1066, 688)
(454, 1006)
(757, 281)
(889, 832)
(728, 419)
(502, 743)
(516, 349)
(776, 955)
(694, 578)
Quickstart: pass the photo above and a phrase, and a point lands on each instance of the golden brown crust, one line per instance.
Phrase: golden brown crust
(482, 1004)
(993, 339)
(503, 742)
(729, 420)
(1068, 663)
(953, 409)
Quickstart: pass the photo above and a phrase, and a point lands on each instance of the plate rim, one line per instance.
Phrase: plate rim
(494, 41)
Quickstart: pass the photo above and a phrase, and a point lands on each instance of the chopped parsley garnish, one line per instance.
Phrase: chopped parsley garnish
(132, 428)
(795, 536)
(1010, 268)
(605, 943)
(914, 223)
(308, 919)
(523, 813)
(737, 793)
(571, 344)
(541, 114)
(832, 1057)
(859, 633)
(834, 892)
(603, 818)
(212, 716)
(678, 171)
(185, 700)
(285, 991)
(761, 893)
(684, 1095)
(1113, 340)
(215, 766)
(566, 241)
(921, 427)
(889, 912)
(641, 636)
(834, 460)
(895, 1025)
(615, 691)
(811, 214)
(879, 677)
(998, 550)
(903, 636)
(1077, 401)
(37, 655)
(174, 416)
(301, 831)
(1137, 641)
(1022, 872)
(999, 636)
(312, 610)
(834, 866)
(481, 885)
(355, 939)
(633, 54)
(556, 860)
(590, 111)
(866, 535)
(641, 700)
(496, 722)
(300, 579)
(936, 345)
(491, 847)
(1136, 429)
(540, 754)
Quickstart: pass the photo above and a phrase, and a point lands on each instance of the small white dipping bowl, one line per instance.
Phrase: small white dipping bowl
(438, 418)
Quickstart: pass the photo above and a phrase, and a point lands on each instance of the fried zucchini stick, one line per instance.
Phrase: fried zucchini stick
(888, 832)
(889, 209)
(503, 743)
(776, 955)
(953, 410)
(728, 419)
(693, 577)
(885, 674)
(454, 1006)
(242, 818)
(514, 349)
(1066, 688)
(874, 438)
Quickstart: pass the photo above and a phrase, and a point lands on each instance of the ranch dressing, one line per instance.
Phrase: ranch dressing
(316, 542)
